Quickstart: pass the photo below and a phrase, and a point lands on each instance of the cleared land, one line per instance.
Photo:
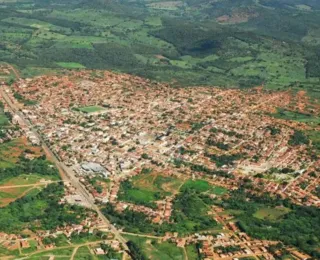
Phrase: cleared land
(10, 151)
(165, 40)
(147, 188)
(91, 109)
(271, 214)
(157, 250)
(203, 186)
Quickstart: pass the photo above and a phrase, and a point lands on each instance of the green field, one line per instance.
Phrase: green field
(11, 150)
(146, 188)
(83, 253)
(170, 40)
(3, 120)
(26, 179)
(297, 116)
(192, 252)
(271, 214)
(58, 253)
(314, 136)
(203, 186)
(157, 250)
(71, 65)
(9, 195)
(91, 109)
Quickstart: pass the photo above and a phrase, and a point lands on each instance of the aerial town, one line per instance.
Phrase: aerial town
(105, 130)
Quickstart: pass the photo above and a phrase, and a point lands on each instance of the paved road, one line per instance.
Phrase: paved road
(66, 173)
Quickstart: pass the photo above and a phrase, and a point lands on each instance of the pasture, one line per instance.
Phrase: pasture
(26, 179)
(91, 109)
(71, 65)
(130, 37)
(9, 195)
(146, 188)
(271, 214)
(297, 116)
(157, 250)
(203, 186)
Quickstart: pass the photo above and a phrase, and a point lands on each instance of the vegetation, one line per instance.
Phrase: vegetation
(190, 212)
(147, 187)
(189, 42)
(298, 138)
(224, 159)
(41, 210)
(189, 215)
(265, 217)
(135, 251)
(203, 169)
(203, 186)
(21, 99)
(155, 249)
(90, 109)
(25, 166)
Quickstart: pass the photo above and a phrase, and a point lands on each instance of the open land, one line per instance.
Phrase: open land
(189, 42)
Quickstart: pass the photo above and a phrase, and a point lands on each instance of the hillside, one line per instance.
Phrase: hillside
(227, 43)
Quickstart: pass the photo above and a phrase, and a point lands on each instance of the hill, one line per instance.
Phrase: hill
(226, 43)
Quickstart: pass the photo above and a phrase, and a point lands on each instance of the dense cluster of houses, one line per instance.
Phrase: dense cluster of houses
(134, 123)
(139, 122)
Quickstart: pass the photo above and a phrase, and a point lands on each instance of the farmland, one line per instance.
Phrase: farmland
(297, 116)
(186, 41)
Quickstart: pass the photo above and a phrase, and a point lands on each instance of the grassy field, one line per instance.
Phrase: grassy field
(271, 214)
(157, 250)
(83, 253)
(3, 120)
(168, 40)
(147, 188)
(71, 65)
(192, 252)
(203, 186)
(9, 195)
(58, 253)
(297, 116)
(26, 179)
(10, 151)
(90, 109)
(314, 136)
(6, 253)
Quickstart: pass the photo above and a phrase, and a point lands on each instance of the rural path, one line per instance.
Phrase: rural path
(74, 252)
(16, 73)
(141, 235)
(27, 185)
(185, 253)
(61, 247)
